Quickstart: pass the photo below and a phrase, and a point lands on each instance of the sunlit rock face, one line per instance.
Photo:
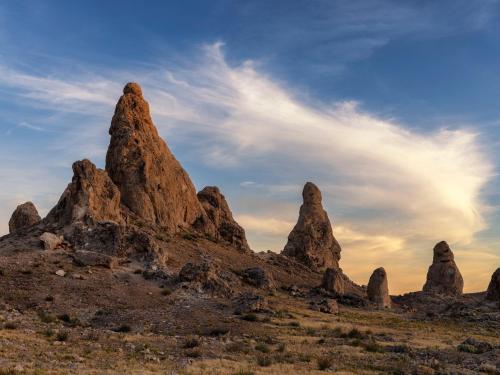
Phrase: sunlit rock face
(311, 241)
(378, 288)
(25, 215)
(444, 276)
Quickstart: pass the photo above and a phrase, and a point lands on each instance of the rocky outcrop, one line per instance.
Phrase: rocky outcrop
(25, 215)
(325, 305)
(258, 277)
(378, 288)
(152, 182)
(219, 213)
(84, 258)
(51, 241)
(443, 276)
(311, 240)
(91, 197)
(207, 277)
(493, 292)
(333, 281)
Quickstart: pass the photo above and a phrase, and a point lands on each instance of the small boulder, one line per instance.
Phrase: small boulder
(207, 277)
(258, 277)
(60, 273)
(249, 302)
(443, 276)
(493, 292)
(51, 241)
(25, 215)
(378, 288)
(333, 281)
(325, 305)
(311, 241)
(85, 258)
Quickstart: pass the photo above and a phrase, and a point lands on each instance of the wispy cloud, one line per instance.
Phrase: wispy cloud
(392, 191)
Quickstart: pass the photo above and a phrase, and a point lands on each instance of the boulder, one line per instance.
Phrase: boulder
(311, 241)
(250, 302)
(493, 292)
(152, 182)
(51, 241)
(333, 281)
(83, 258)
(258, 277)
(91, 197)
(219, 213)
(105, 237)
(443, 276)
(325, 305)
(206, 277)
(378, 288)
(25, 215)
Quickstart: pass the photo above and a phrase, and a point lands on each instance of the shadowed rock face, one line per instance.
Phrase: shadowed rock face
(443, 276)
(219, 213)
(25, 215)
(152, 182)
(91, 197)
(311, 240)
(378, 288)
(493, 292)
(333, 281)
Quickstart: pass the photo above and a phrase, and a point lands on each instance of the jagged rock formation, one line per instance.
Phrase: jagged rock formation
(443, 276)
(378, 288)
(25, 215)
(311, 241)
(333, 281)
(91, 197)
(219, 213)
(152, 182)
(493, 292)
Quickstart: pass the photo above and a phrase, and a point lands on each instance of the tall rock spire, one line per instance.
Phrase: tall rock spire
(311, 241)
(443, 276)
(152, 182)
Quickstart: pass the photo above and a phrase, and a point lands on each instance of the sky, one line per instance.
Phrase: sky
(390, 107)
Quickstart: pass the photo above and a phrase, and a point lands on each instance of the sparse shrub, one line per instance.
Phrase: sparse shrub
(355, 334)
(325, 363)
(244, 372)
(321, 341)
(264, 361)
(238, 347)
(49, 299)
(62, 336)
(191, 343)
(11, 325)
(219, 331)
(304, 357)
(310, 331)
(265, 319)
(48, 333)
(294, 324)
(250, 317)
(66, 318)
(261, 347)
(166, 292)
(124, 328)
(281, 348)
(2, 272)
(189, 236)
(194, 354)
(8, 371)
(374, 347)
(46, 317)
(138, 271)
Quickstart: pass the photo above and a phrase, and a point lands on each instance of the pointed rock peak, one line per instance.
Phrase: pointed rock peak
(25, 215)
(311, 194)
(493, 292)
(91, 197)
(311, 241)
(132, 88)
(219, 213)
(444, 276)
(152, 182)
(378, 288)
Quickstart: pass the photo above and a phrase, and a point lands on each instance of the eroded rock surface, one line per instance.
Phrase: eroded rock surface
(51, 241)
(311, 240)
(493, 292)
(378, 288)
(258, 277)
(219, 213)
(152, 182)
(443, 276)
(25, 215)
(333, 281)
(91, 197)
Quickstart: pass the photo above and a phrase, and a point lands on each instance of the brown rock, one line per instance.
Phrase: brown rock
(152, 183)
(25, 215)
(325, 305)
(85, 258)
(443, 276)
(51, 241)
(91, 197)
(311, 240)
(493, 292)
(207, 277)
(250, 302)
(333, 281)
(219, 213)
(378, 288)
(258, 277)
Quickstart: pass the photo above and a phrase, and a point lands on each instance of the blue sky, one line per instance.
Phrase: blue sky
(389, 106)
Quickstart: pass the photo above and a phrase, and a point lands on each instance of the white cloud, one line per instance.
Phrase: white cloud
(400, 190)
